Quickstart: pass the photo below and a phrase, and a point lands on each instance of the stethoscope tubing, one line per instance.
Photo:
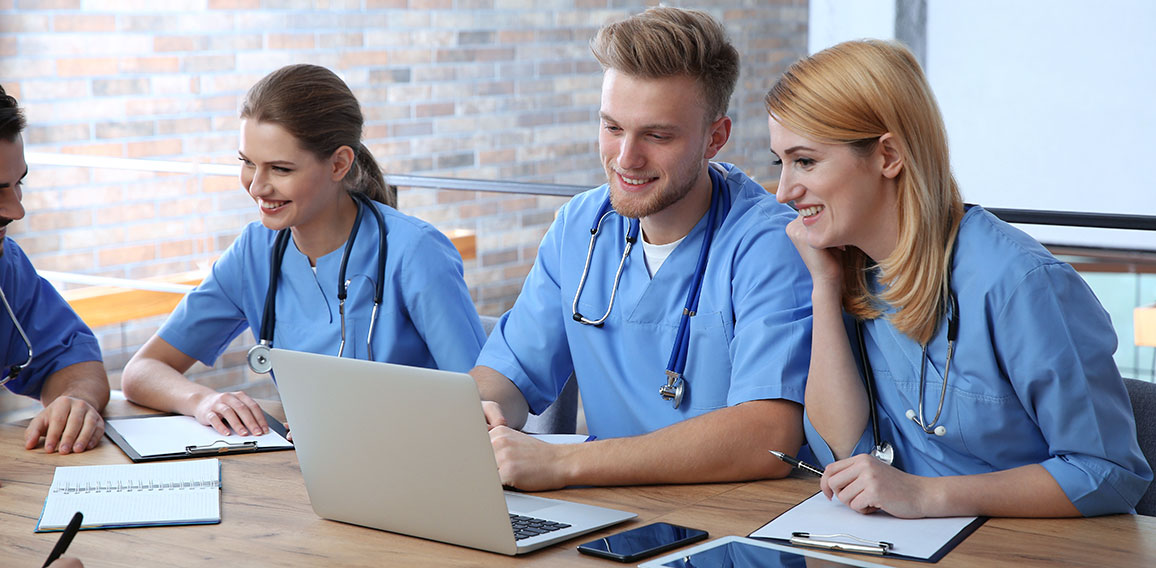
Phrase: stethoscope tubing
(15, 370)
(883, 449)
(674, 388)
(258, 355)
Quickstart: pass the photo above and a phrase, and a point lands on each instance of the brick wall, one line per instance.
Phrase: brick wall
(491, 89)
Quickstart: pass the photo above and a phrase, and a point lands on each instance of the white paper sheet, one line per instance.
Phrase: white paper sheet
(160, 435)
(919, 538)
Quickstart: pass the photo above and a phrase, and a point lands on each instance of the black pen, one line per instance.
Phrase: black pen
(65, 538)
(797, 463)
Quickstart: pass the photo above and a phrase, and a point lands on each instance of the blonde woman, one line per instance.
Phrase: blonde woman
(995, 392)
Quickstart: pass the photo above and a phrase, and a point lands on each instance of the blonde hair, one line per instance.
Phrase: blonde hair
(854, 93)
(314, 105)
(666, 42)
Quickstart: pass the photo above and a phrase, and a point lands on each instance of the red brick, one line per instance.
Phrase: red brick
(184, 125)
(207, 63)
(84, 23)
(86, 67)
(120, 87)
(234, 4)
(49, 4)
(56, 133)
(126, 255)
(351, 59)
(8, 46)
(150, 65)
(290, 41)
(386, 4)
(49, 220)
(431, 4)
(344, 39)
(173, 249)
(125, 213)
(178, 43)
(216, 184)
(161, 147)
(434, 109)
(114, 150)
(67, 262)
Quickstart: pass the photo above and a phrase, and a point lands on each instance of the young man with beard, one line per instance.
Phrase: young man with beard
(671, 399)
(46, 350)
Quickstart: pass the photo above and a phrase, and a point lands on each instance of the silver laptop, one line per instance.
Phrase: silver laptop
(406, 449)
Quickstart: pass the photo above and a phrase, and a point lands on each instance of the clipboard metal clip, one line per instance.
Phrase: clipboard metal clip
(222, 447)
(839, 541)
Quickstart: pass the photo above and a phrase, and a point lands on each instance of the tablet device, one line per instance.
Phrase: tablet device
(741, 552)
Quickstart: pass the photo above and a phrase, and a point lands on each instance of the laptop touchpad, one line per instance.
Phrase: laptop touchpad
(526, 504)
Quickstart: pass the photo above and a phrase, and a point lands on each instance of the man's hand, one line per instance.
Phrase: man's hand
(527, 463)
(67, 424)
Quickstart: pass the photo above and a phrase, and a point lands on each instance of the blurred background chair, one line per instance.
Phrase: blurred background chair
(1143, 395)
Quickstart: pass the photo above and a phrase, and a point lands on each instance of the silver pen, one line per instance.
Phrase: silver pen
(797, 463)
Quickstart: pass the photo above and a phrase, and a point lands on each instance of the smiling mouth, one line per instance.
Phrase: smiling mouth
(810, 211)
(635, 181)
(270, 205)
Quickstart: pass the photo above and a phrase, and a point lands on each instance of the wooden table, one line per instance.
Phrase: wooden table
(267, 521)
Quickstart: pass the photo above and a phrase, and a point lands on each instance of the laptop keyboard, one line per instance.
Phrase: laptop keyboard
(526, 527)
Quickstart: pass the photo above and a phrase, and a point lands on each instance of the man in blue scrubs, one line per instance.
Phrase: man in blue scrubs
(65, 372)
(669, 74)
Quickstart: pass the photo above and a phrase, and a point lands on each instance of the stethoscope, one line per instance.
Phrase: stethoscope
(883, 450)
(259, 354)
(675, 387)
(15, 370)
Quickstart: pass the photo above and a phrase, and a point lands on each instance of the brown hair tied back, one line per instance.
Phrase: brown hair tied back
(315, 106)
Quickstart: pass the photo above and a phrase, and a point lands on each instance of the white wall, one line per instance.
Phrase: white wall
(1049, 105)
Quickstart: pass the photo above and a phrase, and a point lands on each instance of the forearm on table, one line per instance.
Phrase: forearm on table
(156, 384)
(1027, 491)
(729, 444)
(86, 381)
(835, 397)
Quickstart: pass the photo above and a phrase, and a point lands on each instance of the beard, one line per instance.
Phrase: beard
(668, 190)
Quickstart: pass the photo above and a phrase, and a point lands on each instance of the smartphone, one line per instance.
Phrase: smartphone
(638, 543)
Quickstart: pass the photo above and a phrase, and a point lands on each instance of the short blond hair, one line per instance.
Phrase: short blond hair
(852, 94)
(667, 42)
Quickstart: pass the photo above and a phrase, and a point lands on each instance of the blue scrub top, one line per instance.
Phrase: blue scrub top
(59, 337)
(750, 340)
(426, 319)
(1032, 381)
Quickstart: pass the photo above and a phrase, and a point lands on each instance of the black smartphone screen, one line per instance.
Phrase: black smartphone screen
(641, 542)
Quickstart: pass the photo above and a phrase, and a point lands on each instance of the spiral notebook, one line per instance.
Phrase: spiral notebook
(134, 495)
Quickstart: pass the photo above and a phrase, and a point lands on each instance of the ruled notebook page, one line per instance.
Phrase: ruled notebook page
(131, 495)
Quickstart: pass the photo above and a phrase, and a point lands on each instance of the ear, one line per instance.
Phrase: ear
(340, 162)
(889, 151)
(719, 132)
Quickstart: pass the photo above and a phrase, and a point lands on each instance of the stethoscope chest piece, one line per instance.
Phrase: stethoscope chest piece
(258, 358)
(884, 453)
(674, 389)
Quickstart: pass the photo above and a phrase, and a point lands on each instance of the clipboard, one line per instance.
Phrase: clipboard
(830, 525)
(220, 445)
(741, 552)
